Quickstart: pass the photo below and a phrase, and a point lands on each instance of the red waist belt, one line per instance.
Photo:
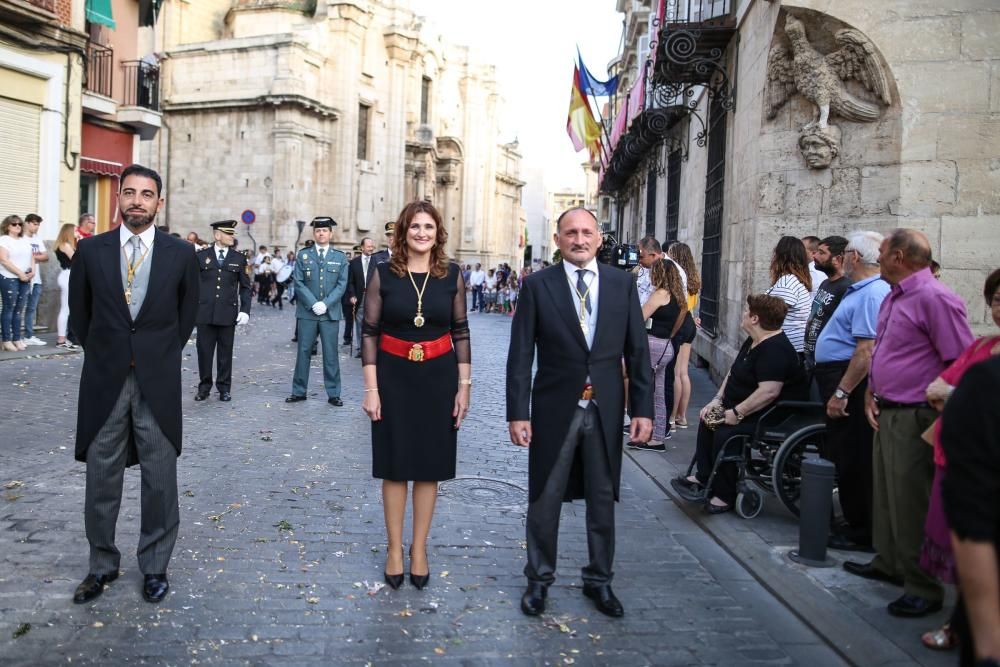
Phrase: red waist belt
(416, 351)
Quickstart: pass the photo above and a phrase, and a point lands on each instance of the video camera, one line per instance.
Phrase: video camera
(622, 255)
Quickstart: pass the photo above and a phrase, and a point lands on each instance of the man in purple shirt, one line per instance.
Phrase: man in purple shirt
(922, 327)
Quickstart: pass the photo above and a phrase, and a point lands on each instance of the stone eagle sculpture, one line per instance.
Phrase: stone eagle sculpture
(820, 79)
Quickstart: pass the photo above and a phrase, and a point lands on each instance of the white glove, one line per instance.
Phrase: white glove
(242, 318)
(319, 308)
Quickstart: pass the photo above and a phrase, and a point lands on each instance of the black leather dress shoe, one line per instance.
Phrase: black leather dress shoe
(717, 509)
(868, 572)
(225, 396)
(844, 543)
(201, 396)
(533, 600)
(294, 399)
(335, 401)
(155, 587)
(913, 606)
(605, 600)
(92, 586)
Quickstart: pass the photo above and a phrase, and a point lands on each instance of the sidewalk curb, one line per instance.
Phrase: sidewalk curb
(849, 635)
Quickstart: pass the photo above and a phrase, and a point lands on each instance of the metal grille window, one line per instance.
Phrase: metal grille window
(651, 202)
(363, 112)
(711, 254)
(673, 195)
(425, 101)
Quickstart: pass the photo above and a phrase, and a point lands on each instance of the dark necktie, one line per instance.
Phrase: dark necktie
(322, 255)
(222, 257)
(581, 287)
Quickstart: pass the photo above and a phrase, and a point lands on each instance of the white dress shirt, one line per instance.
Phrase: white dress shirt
(145, 239)
(592, 278)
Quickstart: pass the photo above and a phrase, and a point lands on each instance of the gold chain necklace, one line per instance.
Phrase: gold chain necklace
(418, 321)
(583, 305)
(130, 273)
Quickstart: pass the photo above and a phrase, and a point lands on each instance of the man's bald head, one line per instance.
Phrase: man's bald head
(914, 246)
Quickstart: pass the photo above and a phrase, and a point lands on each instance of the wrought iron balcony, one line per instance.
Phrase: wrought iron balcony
(99, 69)
(692, 42)
(142, 84)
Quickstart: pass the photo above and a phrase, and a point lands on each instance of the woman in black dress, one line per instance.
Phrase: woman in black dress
(417, 366)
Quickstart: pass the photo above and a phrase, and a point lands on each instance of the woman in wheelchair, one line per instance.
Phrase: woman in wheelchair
(767, 369)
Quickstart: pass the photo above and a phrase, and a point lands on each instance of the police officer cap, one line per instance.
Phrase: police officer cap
(390, 227)
(323, 221)
(356, 248)
(225, 226)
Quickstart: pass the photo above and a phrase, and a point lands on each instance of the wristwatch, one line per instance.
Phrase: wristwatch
(739, 417)
(840, 394)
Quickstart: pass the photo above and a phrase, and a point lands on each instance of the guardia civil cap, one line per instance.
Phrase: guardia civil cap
(390, 227)
(323, 221)
(225, 226)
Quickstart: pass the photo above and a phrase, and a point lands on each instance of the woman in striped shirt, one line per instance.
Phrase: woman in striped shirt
(792, 284)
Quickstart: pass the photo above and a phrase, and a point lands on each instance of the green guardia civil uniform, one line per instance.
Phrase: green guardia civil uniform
(318, 276)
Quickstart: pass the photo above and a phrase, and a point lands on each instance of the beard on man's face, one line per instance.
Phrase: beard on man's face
(137, 217)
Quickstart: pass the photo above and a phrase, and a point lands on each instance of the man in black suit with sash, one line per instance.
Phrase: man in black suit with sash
(225, 302)
(583, 318)
(359, 273)
(133, 295)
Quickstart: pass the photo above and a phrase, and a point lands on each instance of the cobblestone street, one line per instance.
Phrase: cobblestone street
(281, 546)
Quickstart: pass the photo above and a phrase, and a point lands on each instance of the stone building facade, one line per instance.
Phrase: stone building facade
(347, 108)
(732, 150)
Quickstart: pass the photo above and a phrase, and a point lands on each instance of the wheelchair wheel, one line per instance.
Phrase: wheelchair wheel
(787, 473)
(749, 503)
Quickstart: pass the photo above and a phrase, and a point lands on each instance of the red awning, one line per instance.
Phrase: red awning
(103, 167)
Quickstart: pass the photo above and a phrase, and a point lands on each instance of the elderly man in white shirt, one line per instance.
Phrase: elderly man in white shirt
(651, 252)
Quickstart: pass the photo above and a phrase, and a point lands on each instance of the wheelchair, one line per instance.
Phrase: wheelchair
(770, 460)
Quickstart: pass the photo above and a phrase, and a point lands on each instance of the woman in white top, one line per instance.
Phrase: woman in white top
(17, 266)
(792, 284)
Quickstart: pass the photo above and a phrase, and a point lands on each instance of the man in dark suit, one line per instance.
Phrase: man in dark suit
(583, 318)
(359, 272)
(133, 295)
(225, 302)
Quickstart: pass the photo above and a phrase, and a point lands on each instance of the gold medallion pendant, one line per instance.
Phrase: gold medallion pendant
(418, 321)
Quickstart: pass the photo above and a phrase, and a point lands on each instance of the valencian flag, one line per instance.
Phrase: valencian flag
(583, 130)
(590, 85)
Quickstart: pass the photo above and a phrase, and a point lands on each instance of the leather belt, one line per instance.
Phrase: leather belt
(588, 393)
(886, 404)
(416, 350)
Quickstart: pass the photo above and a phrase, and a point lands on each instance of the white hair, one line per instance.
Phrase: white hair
(866, 244)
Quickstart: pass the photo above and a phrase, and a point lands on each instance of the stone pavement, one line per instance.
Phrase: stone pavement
(849, 612)
(281, 547)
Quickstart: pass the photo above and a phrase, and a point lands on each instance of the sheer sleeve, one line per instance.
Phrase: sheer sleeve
(460, 324)
(371, 327)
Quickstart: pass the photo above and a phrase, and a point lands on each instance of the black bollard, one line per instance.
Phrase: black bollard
(815, 504)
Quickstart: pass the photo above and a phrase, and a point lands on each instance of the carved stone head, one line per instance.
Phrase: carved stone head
(794, 28)
(819, 145)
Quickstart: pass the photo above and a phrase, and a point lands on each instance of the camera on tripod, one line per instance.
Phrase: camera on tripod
(622, 255)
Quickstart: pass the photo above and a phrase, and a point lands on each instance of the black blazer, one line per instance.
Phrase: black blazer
(225, 291)
(112, 341)
(546, 320)
(356, 282)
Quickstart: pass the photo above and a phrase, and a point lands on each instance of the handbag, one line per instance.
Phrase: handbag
(714, 418)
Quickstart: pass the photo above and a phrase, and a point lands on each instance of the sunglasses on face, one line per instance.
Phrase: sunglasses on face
(15, 224)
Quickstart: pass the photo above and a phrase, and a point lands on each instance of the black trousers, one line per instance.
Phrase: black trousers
(215, 341)
(542, 525)
(279, 291)
(849, 447)
(710, 443)
(264, 295)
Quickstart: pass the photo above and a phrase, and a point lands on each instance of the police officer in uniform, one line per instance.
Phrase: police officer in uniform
(384, 255)
(320, 279)
(224, 303)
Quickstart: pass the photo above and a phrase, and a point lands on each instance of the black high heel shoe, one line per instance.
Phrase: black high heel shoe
(419, 581)
(394, 580)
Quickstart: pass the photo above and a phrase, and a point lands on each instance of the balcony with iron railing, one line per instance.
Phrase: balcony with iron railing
(140, 106)
(692, 41)
(100, 68)
(142, 84)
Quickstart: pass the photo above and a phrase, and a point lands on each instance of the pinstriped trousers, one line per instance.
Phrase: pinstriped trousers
(106, 459)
